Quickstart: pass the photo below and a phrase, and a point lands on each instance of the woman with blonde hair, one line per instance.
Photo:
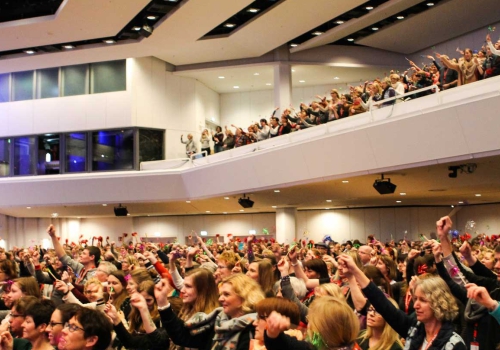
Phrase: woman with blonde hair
(227, 327)
(136, 277)
(332, 325)
(435, 309)
(378, 334)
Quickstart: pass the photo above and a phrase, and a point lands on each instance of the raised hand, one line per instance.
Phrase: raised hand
(443, 226)
(276, 323)
(51, 230)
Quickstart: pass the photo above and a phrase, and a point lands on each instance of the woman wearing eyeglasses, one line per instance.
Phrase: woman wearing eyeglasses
(379, 335)
(62, 314)
(37, 318)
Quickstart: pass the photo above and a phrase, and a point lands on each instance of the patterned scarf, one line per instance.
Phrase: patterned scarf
(227, 330)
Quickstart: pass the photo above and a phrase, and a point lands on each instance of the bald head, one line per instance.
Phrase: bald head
(365, 252)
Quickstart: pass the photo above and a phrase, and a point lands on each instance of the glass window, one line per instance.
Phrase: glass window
(22, 86)
(74, 80)
(113, 150)
(150, 145)
(76, 152)
(48, 83)
(4, 157)
(108, 76)
(48, 154)
(4, 88)
(24, 155)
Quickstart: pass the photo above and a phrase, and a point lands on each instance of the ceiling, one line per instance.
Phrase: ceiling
(424, 186)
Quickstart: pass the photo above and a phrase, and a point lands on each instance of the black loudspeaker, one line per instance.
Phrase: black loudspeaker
(245, 202)
(384, 186)
(121, 211)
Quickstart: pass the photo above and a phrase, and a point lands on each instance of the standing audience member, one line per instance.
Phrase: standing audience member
(218, 139)
(190, 145)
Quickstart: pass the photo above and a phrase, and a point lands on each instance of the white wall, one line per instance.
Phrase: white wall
(166, 101)
(341, 225)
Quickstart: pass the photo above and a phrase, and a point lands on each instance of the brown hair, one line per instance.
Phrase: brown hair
(134, 316)
(29, 286)
(207, 298)
(281, 305)
(8, 267)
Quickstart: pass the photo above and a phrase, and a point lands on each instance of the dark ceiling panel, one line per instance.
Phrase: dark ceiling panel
(13, 10)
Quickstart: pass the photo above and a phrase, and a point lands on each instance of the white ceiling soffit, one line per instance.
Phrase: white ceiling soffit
(74, 21)
(435, 25)
(272, 29)
(384, 11)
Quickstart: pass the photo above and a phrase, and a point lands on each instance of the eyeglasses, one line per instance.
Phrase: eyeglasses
(53, 324)
(373, 311)
(262, 317)
(72, 327)
(15, 315)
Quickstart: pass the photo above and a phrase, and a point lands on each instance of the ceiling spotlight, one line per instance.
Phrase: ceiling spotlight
(104, 205)
(68, 47)
(188, 201)
(29, 52)
(302, 81)
(236, 87)
(329, 200)
(293, 70)
(478, 195)
(54, 215)
(256, 74)
(269, 84)
(336, 78)
(398, 201)
(460, 202)
(345, 181)
(226, 197)
(384, 186)
(208, 211)
(222, 77)
(402, 194)
(253, 10)
(276, 191)
(375, 28)
(151, 18)
(350, 39)
(242, 210)
(203, 233)
(109, 41)
(400, 17)
(245, 202)
(136, 28)
(28, 207)
(369, 8)
(274, 206)
(121, 211)
(317, 33)
(294, 45)
(224, 212)
(339, 22)
(146, 30)
(430, 4)
(229, 25)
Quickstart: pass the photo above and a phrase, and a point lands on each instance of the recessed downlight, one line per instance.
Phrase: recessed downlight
(256, 73)
(136, 28)
(188, 201)
(430, 4)
(208, 211)
(28, 207)
(268, 84)
(226, 197)
(294, 45)
(317, 33)
(242, 210)
(374, 29)
(236, 87)
(152, 18)
(302, 81)
(29, 52)
(253, 10)
(350, 39)
(400, 17)
(398, 201)
(345, 181)
(336, 78)
(460, 202)
(229, 25)
(222, 77)
(104, 205)
(274, 207)
(478, 195)
(339, 22)
(225, 212)
(369, 8)
(109, 41)
(402, 194)
(329, 200)
(276, 191)
(68, 47)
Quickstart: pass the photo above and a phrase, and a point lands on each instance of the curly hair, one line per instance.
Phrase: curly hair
(438, 294)
(247, 289)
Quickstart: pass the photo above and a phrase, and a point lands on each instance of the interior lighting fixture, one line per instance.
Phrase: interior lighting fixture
(384, 186)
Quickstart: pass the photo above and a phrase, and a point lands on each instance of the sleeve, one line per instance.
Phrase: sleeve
(180, 334)
(396, 318)
(67, 261)
(458, 292)
(158, 339)
(437, 65)
(177, 279)
(42, 277)
(492, 48)
(284, 341)
(163, 257)
(479, 269)
(288, 293)
(496, 314)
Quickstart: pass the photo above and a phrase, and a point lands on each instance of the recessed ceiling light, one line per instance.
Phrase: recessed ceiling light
(336, 78)
(226, 197)
(276, 191)
(208, 211)
(452, 206)
(128, 214)
(350, 39)
(253, 10)
(136, 28)
(400, 17)
(294, 45)
(430, 4)
(222, 77)
(242, 210)
(375, 28)
(78, 217)
(317, 33)
(229, 25)
(256, 74)
(29, 52)
(339, 22)
(369, 8)
(293, 70)
(460, 202)
(345, 181)
(398, 201)
(269, 84)
(104, 205)
(28, 207)
(478, 194)
(109, 41)
(274, 207)
(402, 194)
(302, 81)
(188, 201)
(68, 47)
(236, 87)
(54, 215)
(327, 208)
(329, 200)
(151, 18)
(224, 212)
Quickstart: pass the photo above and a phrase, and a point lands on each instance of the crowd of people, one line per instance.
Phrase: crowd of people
(442, 71)
(254, 294)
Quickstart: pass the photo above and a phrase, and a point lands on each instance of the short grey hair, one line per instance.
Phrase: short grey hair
(107, 267)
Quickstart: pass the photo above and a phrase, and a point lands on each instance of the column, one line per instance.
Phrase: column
(282, 78)
(285, 224)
